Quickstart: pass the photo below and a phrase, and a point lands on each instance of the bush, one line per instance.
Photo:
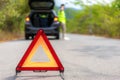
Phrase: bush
(96, 19)
(13, 15)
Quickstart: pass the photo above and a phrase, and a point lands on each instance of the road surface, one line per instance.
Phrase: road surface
(84, 58)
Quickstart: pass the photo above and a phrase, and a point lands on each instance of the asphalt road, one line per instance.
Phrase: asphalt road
(84, 58)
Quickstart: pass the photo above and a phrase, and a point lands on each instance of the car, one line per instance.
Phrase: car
(42, 16)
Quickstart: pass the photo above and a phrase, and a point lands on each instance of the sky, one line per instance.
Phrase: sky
(69, 4)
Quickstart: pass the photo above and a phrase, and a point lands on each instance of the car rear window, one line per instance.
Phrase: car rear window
(42, 4)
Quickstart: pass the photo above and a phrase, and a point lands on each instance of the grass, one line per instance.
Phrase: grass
(7, 36)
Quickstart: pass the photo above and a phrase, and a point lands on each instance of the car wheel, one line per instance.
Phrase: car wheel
(32, 36)
(26, 37)
(58, 36)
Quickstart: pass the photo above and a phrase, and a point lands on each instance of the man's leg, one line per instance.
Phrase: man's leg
(63, 30)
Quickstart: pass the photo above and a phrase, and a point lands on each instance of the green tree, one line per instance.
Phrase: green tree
(13, 14)
(102, 19)
(116, 4)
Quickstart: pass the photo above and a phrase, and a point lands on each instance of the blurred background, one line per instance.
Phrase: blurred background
(89, 17)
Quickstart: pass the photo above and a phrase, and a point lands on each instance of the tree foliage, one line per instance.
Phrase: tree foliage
(12, 14)
(97, 19)
(116, 4)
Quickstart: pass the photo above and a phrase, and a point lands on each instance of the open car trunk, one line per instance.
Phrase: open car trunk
(42, 19)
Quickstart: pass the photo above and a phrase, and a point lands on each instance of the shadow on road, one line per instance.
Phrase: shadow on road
(104, 52)
(32, 39)
(33, 77)
(11, 78)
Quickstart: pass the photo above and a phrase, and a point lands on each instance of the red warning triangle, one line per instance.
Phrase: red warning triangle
(27, 65)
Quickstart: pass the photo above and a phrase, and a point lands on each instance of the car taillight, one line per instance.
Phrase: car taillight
(27, 19)
(56, 19)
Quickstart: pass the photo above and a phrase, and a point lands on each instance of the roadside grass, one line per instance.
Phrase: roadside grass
(8, 36)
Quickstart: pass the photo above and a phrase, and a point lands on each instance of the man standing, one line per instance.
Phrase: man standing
(62, 20)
